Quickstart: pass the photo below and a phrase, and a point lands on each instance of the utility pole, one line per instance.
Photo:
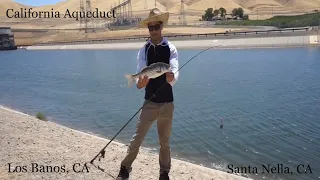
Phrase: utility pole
(155, 3)
(130, 9)
(182, 14)
(257, 9)
(88, 9)
(81, 10)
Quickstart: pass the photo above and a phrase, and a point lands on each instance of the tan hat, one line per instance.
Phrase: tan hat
(155, 15)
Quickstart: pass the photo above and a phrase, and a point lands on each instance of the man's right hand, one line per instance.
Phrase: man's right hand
(142, 82)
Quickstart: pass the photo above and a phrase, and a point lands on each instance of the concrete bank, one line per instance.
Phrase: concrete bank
(39, 146)
(253, 42)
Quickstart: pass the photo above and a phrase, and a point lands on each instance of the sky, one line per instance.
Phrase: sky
(38, 2)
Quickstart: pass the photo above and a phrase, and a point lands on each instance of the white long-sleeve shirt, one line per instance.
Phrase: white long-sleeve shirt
(174, 64)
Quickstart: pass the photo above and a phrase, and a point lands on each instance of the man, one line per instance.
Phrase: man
(159, 107)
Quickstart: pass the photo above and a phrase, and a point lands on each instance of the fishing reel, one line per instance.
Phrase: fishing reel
(102, 155)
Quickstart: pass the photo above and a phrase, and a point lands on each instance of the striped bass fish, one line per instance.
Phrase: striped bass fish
(153, 71)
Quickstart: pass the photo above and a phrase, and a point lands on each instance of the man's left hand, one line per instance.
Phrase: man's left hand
(169, 76)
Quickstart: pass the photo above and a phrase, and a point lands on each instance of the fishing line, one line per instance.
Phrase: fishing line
(102, 151)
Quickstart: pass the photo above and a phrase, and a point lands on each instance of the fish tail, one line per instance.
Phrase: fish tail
(130, 79)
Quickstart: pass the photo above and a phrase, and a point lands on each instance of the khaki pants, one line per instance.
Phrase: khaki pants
(163, 113)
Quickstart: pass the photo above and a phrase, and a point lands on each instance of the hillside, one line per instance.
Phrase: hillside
(266, 7)
(311, 19)
(9, 4)
(194, 9)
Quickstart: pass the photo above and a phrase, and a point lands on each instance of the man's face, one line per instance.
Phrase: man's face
(155, 29)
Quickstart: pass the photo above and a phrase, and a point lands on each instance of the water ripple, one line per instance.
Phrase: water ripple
(268, 100)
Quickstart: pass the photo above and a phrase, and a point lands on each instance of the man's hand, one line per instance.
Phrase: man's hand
(169, 76)
(142, 82)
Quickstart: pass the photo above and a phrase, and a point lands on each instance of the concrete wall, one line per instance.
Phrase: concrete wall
(315, 39)
(287, 41)
(270, 41)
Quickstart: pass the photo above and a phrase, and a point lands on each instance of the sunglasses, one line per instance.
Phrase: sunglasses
(154, 28)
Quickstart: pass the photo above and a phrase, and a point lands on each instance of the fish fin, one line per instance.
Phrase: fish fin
(130, 79)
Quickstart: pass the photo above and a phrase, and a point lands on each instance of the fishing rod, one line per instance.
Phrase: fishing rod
(102, 151)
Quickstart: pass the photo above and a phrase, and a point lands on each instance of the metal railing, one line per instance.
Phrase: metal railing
(221, 34)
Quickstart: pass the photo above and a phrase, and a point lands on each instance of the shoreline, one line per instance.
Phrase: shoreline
(30, 140)
(279, 41)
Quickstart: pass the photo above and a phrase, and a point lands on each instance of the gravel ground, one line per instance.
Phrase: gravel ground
(31, 146)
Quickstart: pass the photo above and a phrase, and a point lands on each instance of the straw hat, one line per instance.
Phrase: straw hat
(155, 15)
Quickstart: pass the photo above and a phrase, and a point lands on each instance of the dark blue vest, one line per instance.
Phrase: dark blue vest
(154, 54)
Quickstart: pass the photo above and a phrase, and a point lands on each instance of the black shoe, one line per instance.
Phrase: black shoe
(164, 176)
(123, 174)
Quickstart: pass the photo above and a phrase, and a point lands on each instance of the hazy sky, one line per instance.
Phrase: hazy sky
(38, 2)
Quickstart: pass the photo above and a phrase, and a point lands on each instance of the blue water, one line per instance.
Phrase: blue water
(269, 100)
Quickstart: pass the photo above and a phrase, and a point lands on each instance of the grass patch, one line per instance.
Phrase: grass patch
(41, 116)
(280, 21)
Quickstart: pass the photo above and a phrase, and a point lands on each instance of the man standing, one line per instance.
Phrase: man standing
(157, 106)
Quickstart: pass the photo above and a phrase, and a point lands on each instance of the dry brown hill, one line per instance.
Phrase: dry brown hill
(173, 6)
(9, 4)
(257, 9)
